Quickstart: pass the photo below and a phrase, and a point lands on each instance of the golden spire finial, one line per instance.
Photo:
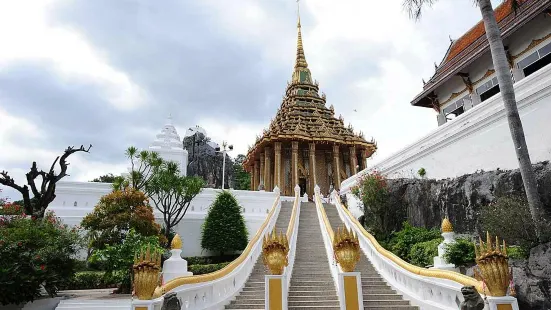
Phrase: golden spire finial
(302, 73)
(176, 243)
(447, 225)
(298, 13)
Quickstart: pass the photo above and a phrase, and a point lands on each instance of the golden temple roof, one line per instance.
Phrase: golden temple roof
(303, 115)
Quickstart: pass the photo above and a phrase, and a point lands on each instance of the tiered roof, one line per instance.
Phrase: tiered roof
(303, 115)
(474, 43)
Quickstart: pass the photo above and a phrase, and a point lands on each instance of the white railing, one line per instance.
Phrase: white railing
(292, 234)
(427, 288)
(217, 289)
(327, 235)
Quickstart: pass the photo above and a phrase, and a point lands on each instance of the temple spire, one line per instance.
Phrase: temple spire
(301, 73)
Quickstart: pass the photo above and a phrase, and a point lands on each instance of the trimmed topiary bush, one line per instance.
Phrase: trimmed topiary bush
(401, 242)
(460, 252)
(224, 229)
(422, 253)
(203, 269)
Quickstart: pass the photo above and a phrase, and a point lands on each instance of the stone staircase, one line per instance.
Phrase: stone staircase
(377, 294)
(312, 286)
(252, 295)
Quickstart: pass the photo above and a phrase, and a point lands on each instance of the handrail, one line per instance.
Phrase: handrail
(176, 282)
(328, 227)
(293, 217)
(432, 273)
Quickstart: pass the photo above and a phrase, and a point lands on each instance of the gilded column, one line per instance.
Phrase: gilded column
(277, 166)
(257, 174)
(313, 179)
(294, 163)
(337, 166)
(363, 155)
(261, 174)
(253, 170)
(353, 160)
(268, 169)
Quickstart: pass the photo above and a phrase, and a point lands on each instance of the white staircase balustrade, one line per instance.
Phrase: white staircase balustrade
(215, 290)
(292, 233)
(426, 288)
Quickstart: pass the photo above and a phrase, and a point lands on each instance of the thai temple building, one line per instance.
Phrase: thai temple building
(465, 77)
(305, 143)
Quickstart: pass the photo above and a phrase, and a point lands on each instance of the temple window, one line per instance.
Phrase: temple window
(536, 60)
(488, 89)
(457, 107)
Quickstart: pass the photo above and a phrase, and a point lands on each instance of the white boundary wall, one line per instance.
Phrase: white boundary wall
(86, 195)
(479, 139)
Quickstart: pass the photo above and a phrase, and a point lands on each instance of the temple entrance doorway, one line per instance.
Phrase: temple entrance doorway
(302, 185)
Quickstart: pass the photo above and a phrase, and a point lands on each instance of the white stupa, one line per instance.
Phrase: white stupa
(169, 146)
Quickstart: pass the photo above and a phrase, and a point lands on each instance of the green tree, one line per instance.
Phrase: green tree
(172, 193)
(118, 259)
(224, 228)
(242, 179)
(143, 164)
(507, 91)
(117, 213)
(106, 178)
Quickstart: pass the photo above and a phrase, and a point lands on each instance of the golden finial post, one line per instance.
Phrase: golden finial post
(176, 243)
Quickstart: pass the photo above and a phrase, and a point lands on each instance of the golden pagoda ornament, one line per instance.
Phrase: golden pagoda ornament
(275, 248)
(493, 262)
(346, 248)
(447, 226)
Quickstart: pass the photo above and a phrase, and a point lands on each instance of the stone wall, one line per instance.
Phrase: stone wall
(426, 201)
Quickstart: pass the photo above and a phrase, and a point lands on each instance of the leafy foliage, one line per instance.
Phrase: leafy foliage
(106, 178)
(224, 228)
(509, 217)
(203, 269)
(422, 172)
(242, 179)
(422, 253)
(401, 242)
(86, 280)
(373, 192)
(172, 193)
(11, 209)
(142, 166)
(460, 252)
(117, 213)
(34, 252)
(207, 260)
(118, 259)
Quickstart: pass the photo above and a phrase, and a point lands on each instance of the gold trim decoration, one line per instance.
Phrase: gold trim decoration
(493, 262)
(275, 294)
(294, 214)
(346, 249)
(351, 293)
(433, 273)
(532, 44)
(275, 248)
(147, 268)
(176, 243)
(167, 287)
(447, 226)
(487, 74)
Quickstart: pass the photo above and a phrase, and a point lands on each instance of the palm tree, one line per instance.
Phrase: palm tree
(501, 67)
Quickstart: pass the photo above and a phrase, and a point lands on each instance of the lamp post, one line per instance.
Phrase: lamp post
(226, 148)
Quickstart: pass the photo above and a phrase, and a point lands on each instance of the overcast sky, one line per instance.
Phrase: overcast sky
(109, 72)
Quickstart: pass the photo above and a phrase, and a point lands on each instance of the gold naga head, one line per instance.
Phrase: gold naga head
(275, 248)
(147, 267)
(346, 248)
(493, 262)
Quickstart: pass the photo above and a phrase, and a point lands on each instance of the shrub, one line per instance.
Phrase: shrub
(422, 254)
(203, 269)
(35, 253)
(422, 172)
(11, 209)
(224, 229)
(460, 252)
(86, 280)
(373, 193)
(119, 259)
(509, 218)
(116, 214)
(401, 242)
(206, 260)
(516, 252)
